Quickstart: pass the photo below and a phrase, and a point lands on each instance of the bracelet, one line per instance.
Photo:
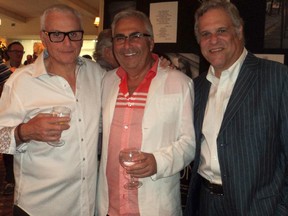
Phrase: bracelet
(20, 137)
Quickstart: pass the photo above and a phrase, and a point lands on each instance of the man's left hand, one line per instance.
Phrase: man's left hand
(145, 168)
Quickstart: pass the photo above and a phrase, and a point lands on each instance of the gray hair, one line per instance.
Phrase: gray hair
(133, 13)
(228, 7)
(62, 8)
(104, 41)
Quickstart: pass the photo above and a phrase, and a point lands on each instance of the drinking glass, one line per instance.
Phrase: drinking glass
(127, 157)
(60, 111)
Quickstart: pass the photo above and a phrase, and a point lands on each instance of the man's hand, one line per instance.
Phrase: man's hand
(147, 167)
(44, 127)
(164, 63)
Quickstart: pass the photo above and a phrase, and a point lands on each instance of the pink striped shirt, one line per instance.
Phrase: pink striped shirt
(126, 131)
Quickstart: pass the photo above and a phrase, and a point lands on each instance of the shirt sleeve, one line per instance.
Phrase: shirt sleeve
(10, 117)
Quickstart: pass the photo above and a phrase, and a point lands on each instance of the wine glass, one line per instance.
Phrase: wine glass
(127, 157)
(60, 111)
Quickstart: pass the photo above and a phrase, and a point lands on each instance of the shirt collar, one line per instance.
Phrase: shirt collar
(40, 66)
(231, 73)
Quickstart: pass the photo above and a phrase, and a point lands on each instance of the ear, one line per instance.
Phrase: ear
(240, 33)
(41, 34)
(107, 52)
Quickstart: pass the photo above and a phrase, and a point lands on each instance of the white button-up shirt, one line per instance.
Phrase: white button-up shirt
(54, 180)
(219, 95)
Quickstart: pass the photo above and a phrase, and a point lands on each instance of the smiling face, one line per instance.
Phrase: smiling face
(133, 54)
(67, 51)
(220, 42)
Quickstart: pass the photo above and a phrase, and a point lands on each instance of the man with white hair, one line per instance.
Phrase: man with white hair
(54, 180)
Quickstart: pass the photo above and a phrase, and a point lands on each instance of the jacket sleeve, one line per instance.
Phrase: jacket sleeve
(172, 136)
(283, 205)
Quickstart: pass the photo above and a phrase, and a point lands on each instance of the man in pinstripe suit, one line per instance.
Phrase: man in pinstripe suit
(241, 123)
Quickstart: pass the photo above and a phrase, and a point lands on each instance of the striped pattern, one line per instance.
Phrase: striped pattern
(252, 142)
(4, 72)
(137, 101)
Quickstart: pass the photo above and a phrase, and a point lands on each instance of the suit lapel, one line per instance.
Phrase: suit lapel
(203, 97)
(202, 88)
(246, 78)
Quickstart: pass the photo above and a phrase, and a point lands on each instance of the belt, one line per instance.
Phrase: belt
(212, 188)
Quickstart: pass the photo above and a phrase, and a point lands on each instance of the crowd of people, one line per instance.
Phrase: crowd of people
(231, 122)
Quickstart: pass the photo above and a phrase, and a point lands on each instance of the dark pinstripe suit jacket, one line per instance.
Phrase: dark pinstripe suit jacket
(252, 142)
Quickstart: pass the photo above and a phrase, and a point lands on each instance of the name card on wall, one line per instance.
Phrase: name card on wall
(163, 17)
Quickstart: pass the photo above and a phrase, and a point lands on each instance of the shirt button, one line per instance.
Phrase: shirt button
(82, 139)
(83, 178)
(83, 159)
(126, 127)
(79, 120)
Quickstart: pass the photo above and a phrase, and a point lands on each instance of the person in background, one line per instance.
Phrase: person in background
(29, 59)
(38, 48)
(148, 107)
(54, 180)
(4, 74)
(34, 56)
(241, 123)
(103, 53)
(15, 52)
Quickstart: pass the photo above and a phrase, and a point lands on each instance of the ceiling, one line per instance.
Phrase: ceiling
(20, 19)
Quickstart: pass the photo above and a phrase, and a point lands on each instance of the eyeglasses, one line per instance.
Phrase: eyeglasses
(57, 37)
(16, 51)
(132, 38)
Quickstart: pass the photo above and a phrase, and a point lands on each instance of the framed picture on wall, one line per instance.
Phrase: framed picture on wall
(274, 57)
(276, 25)
(164, 17)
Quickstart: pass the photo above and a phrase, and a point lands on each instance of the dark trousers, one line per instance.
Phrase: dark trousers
(211, 204)
(8, 163)
(17, 211)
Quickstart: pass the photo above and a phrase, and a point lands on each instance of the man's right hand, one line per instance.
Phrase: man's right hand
(44, 127)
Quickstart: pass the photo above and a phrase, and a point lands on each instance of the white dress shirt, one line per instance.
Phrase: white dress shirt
(54, 180)
(219, 95)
